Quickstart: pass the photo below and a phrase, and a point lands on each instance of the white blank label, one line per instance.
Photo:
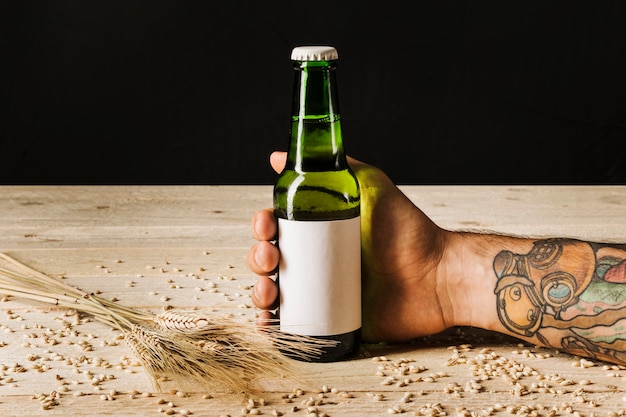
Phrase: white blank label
(320, 276)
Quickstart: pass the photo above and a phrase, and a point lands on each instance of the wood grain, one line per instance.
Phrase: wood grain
(185, 246)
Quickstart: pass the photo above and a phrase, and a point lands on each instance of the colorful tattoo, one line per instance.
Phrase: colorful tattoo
(569, 294)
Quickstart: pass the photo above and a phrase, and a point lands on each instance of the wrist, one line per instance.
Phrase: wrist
(467, 279)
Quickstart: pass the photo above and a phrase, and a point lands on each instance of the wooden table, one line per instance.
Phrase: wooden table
(150, 246)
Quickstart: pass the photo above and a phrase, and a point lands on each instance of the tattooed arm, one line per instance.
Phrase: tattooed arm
(560, 293)
(419, 279)
(583, 309)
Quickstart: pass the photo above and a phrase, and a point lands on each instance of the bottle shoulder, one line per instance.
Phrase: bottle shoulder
(340, 179)
(317, 195)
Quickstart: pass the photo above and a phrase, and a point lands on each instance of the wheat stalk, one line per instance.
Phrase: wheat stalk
(218, 353)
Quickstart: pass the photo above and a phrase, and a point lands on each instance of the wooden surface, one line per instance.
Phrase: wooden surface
(185, 247)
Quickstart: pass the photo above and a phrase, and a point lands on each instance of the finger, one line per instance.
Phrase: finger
(264, 225)
(262, 258)
(355, 162)
(278, 159)
(265, 293)
(266, 318)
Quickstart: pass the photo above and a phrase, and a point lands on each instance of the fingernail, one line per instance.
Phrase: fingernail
(258, 258)
(255, 225)
(254, 293)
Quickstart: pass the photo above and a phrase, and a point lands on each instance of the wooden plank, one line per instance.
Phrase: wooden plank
(594, 213)
(185, 247)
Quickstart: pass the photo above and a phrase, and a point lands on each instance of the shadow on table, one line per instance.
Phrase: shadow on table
(455, 336)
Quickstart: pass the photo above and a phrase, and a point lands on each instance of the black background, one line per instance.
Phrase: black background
(438, 92)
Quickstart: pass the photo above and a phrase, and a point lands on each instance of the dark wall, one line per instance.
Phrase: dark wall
(434, 92)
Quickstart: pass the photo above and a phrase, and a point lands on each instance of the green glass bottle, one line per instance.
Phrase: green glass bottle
(317, 203)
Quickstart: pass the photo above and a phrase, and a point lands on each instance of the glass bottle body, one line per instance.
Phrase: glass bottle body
(317, 203)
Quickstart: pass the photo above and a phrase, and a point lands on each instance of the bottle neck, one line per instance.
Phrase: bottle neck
(316, 142)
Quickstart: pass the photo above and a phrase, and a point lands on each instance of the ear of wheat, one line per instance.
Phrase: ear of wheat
(219, 353)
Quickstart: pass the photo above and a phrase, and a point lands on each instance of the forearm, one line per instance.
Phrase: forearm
(561, 293)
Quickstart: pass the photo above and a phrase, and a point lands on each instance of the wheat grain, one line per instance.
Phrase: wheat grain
(178, 321)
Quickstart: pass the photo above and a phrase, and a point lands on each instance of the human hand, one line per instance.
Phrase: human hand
(401, 250)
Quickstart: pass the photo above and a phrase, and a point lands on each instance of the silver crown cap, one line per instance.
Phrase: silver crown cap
(314, 53)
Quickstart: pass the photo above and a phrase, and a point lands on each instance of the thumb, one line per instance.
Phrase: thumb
(278, 159)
